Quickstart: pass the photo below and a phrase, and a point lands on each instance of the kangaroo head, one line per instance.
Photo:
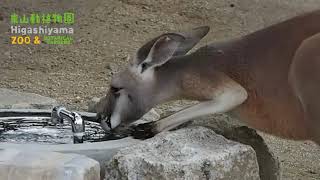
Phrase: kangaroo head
(133, 92)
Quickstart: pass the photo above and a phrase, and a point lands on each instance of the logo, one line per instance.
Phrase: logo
(47, 28)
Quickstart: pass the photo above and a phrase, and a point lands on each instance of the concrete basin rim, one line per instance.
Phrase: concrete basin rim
(105, 145)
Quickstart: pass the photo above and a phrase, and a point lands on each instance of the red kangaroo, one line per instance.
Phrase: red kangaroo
(269, 79)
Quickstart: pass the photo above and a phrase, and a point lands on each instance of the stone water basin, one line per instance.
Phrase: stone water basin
(32, 131)
(40, 130)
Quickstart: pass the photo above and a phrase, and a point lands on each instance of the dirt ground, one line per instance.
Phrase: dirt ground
(106, 32)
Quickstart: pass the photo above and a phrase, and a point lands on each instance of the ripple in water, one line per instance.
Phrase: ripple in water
(39, 130)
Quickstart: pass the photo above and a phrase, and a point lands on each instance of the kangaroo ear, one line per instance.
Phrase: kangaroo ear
(191, 38)
(161, 51)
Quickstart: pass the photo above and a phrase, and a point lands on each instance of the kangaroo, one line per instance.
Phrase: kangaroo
(270, 79)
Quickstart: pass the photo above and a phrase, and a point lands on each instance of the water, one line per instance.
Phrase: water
(41, 131)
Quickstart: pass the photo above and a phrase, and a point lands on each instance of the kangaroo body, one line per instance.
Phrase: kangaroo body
(260, 62)
(269, 79)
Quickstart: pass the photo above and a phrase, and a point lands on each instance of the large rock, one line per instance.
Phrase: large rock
(191, 153)
(20, 165)
(10, 99)
(230, 128)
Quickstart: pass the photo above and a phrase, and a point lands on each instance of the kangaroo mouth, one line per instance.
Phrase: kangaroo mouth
(105, 121)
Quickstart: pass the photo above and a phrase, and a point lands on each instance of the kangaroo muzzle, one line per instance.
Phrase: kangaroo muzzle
(105, 110)
(114, 112)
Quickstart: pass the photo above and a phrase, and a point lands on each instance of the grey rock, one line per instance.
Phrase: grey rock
(10, 99)
(99, 151)
(190, 153)
(33, 165)
(231, 128)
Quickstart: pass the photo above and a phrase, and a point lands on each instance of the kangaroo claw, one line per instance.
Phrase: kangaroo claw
(144, 131)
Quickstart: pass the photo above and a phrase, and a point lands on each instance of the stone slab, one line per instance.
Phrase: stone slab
(39, 165)
(190, 153)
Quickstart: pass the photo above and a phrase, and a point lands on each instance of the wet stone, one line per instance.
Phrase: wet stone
(22, 165)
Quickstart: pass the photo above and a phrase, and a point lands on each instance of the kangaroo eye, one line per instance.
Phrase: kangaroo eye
(115, 90)
(144, 66)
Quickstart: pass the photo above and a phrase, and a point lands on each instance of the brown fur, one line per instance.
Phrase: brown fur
(261, 62)
(305, 80)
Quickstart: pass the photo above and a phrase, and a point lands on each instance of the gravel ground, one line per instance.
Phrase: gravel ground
(106, 32)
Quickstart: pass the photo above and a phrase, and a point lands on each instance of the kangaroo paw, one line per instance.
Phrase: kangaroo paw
(144, 131)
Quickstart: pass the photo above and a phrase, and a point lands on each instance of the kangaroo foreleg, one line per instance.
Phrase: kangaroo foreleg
(227, 99)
